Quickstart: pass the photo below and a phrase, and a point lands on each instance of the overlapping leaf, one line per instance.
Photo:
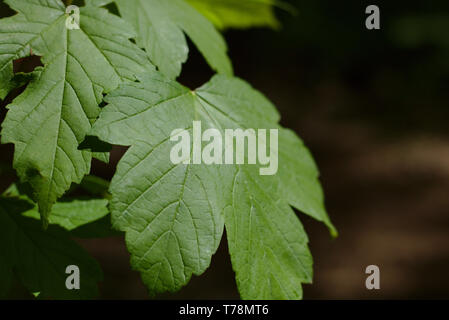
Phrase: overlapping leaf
(53, 115)
(160, 27)
(173, 213)
(232, 13)
(76, 213)
(69, 214)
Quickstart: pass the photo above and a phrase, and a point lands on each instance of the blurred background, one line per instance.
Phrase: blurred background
(373, 107)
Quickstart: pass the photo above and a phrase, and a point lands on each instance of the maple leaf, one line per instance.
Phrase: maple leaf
(174, 214)
(49, 120)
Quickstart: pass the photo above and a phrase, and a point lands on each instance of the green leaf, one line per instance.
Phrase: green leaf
(160, 29)
(232, 13)
(173, 214)
(238, 13)
(18, 80)
(69, 214)
(299, 174)
(268, 244)
(52, 116)
(40, 258)
(76, 213)
(98, 3)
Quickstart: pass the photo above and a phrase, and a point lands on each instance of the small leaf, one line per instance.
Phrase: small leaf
(18, 80)
(76, 213)
(69, 214)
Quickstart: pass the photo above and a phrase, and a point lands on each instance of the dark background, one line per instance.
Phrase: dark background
(373, 108)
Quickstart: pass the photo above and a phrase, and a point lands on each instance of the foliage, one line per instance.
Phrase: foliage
(173, 216)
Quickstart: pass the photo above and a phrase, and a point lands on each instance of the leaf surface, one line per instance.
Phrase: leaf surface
(74, 214)
(49, 120)
(267, 242)
(70, 213)
(173, 214)
(160, 27)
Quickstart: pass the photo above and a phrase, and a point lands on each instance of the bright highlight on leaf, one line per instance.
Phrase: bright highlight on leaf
(237, 13)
